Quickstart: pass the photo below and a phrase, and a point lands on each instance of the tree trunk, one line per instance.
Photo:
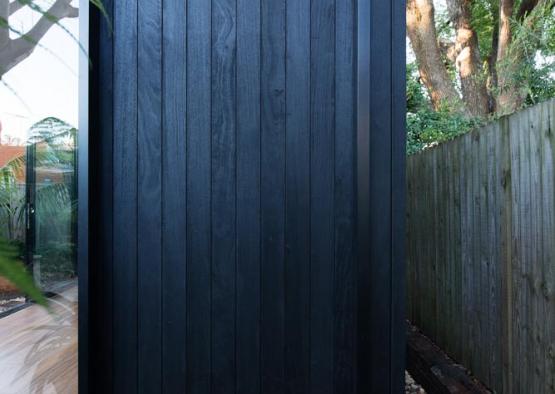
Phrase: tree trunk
(423, 37)
(508, 99)
(468, 61)
(492, 62)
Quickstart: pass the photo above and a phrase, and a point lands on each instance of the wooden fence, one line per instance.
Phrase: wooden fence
(481, 250)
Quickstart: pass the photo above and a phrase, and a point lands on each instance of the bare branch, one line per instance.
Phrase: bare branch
(18, 49)
(4, 15)
(16, 5)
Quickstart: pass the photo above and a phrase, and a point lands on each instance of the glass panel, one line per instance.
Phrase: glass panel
(38, 196)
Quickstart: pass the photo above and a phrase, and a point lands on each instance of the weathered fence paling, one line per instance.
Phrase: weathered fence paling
(481, 249)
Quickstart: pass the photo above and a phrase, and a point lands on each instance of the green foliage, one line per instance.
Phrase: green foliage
(541, 83)
(57, 261)
(427, 128)
(12, 268)
(533, 72)
(416, 96)
(54, 141)
(485, 13)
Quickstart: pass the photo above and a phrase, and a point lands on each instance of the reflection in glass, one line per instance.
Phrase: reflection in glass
(38, 205)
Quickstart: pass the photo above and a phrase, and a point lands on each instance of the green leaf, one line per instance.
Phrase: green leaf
(98, 4)
(12, 268)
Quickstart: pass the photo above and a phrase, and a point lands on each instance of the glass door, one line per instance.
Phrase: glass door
(39, 114)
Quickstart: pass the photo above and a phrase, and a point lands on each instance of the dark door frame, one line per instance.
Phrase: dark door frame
(83, 200)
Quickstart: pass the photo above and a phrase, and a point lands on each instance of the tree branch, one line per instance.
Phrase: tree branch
(16, 5)
(505, 33)
(20, 48)
(423, 37)
(525, 8)
(448, 50)
(4, 16)
(468, 60)
(492, 82)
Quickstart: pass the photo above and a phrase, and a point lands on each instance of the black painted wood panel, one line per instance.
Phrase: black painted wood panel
(125, 199)
(247, 213)
(248, 302)
(297, 199)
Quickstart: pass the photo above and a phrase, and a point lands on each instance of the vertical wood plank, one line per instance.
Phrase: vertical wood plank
(297, 209)
(199, 252)
(494, 279)
(149, 192)
(534, 280)
(398, 199)
(548, 193)
(223, 202)
(273, 19)
(322, 92)
(125, 197)
(539, 266)
(466, 231)
(439, 262)
(99, 345)
(450, 208)
(380, 202)
(516, 251)
(451, 246)
(505, 228)
(433, 244)
(484, 243)
(248, 196)
(457, 235)
(544, 340)
(411, 235)
(344, 201)
(475, 279)
(174, 203)
(526, 248)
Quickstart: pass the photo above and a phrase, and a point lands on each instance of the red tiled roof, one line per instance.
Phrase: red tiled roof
(9, 153)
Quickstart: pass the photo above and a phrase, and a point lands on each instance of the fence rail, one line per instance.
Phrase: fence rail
(481, 249)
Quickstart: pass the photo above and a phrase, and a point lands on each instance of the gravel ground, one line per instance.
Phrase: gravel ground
(411, 387)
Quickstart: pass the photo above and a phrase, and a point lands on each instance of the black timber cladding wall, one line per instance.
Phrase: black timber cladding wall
(246, 197)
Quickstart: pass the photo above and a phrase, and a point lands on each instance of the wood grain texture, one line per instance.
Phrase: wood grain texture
(272, 192)
(237, 261)
(297, 198)
(199, 252)
(38, 349)
(248, 197)
(380, 202)
(322, 93)
(485, 271)
(398, 198)
(174, 191)
(223, 202)
(344, 200)
(149, 196)
(125, 223)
